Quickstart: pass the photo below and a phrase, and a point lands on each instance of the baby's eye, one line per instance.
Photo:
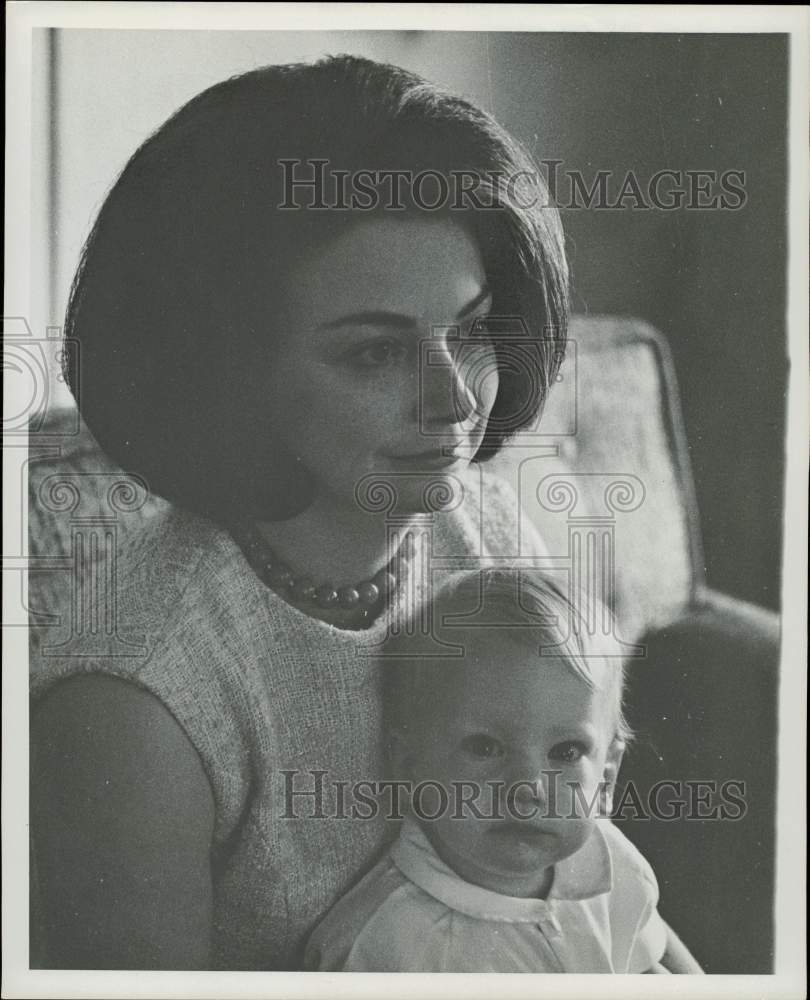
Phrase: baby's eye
(568, 752)
(482, 746)
(377, 354)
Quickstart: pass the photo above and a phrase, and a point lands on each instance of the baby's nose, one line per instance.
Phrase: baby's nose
(529, 788)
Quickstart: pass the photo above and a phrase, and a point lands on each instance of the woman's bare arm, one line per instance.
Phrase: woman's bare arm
(122, 816)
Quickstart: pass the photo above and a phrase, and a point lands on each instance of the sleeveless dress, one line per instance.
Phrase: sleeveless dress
(261, 689)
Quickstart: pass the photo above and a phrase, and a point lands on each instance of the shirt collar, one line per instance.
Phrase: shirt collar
(588, 872)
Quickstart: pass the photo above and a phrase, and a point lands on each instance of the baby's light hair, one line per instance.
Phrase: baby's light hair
(575, 628)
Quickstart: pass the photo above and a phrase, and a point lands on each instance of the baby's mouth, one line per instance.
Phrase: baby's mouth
(526, 830)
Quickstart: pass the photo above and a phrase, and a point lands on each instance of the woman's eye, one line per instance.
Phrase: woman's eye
(568, 752)
(480, 328)
(377, 354)
(482, 746)
(476, 332)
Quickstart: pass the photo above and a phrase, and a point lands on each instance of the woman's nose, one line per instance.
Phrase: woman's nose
(447, 384)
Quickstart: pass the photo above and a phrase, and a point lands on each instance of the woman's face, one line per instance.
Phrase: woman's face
(374, 370)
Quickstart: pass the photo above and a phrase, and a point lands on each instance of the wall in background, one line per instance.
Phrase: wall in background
(712, 281)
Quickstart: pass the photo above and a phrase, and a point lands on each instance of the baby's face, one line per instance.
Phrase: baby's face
(507, 719)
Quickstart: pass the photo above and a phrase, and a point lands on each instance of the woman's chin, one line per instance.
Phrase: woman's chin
(413, 487)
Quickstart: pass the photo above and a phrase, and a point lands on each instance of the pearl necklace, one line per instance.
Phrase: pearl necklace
(365, 599)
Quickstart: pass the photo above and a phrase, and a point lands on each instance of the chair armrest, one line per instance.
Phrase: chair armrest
(721, 614)
(702, 703)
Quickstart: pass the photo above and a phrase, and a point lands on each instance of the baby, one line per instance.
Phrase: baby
(506, 861)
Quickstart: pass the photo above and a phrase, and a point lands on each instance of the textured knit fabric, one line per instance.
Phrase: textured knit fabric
(259, 688)
(412, 913)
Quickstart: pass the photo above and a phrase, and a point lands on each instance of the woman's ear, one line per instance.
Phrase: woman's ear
(610, 774)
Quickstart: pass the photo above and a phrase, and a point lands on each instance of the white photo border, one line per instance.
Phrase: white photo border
(790, 960)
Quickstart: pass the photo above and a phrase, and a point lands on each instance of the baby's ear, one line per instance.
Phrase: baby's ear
(613, 762)
(399, 752)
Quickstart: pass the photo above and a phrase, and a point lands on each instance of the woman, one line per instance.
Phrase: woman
(255, 349)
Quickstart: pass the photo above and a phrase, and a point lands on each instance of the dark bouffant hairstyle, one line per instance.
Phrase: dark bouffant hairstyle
(175, 301)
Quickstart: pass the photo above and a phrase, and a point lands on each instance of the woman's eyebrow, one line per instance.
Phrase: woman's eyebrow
(377, 317)
(473, 304)
(385, 317)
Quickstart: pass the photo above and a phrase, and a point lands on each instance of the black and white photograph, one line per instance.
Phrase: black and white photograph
(405, 452)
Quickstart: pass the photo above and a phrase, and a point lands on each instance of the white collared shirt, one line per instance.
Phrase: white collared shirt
(412, 913)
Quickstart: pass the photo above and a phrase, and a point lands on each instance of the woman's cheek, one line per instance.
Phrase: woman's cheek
(382, 396)
(491, 384)
(482, 381)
